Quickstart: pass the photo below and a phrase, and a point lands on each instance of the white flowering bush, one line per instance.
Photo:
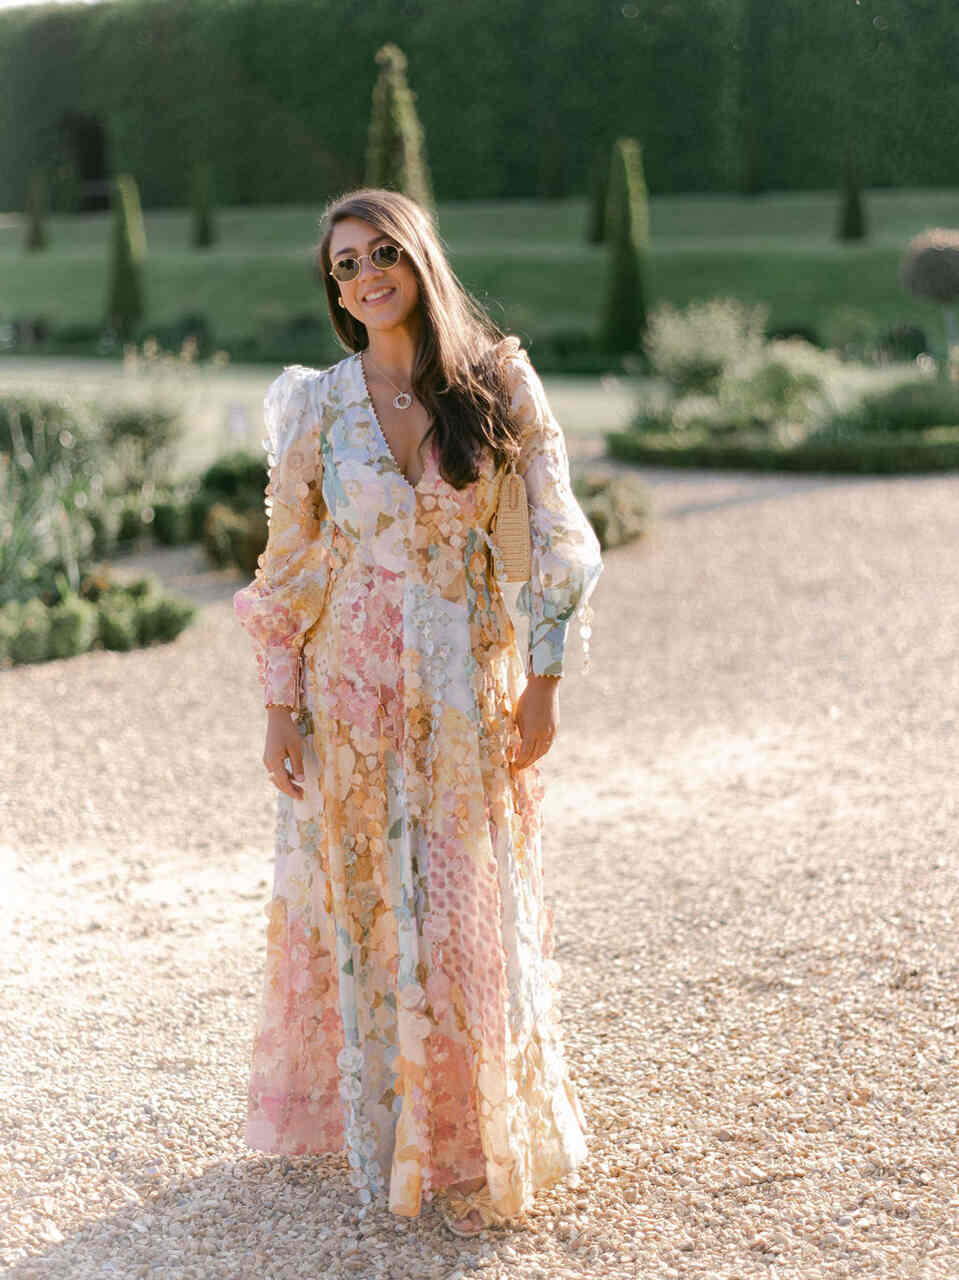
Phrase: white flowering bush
(692, 348)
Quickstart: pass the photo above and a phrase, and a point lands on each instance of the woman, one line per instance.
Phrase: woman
(408, 1013)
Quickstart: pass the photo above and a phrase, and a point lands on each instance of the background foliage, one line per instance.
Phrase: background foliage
(722, 94)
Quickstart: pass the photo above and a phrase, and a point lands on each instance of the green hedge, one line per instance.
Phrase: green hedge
(878, 453)
(104, 614)
(237, 85)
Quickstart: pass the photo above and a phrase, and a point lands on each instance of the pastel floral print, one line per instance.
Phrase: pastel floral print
(409, 1012)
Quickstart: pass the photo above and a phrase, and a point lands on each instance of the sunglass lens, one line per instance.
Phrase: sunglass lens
(346, 268)
(385, 255)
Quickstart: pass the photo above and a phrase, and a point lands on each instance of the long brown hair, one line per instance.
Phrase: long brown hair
(459, 372)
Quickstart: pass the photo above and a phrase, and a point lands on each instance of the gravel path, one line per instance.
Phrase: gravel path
(753, 863)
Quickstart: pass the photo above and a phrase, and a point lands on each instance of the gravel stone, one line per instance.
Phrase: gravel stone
(751, 850)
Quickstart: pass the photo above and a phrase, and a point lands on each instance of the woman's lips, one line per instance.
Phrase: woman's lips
(374, 302)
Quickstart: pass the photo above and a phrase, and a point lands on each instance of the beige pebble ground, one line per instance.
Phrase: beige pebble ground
(752, 851)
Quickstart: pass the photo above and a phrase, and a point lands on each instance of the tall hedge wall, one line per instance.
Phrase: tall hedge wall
(276, 93)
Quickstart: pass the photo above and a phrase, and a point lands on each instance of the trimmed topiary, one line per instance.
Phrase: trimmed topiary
(161, 618)
(395, 149)
(73, 627)
(31, 641)
(9, 627)
(234, 537)
(623, 324)
(171, 523)
(911, 406)
(130, 522)
(125, 298)
(852, 214)
(203, 228)
(36, 211)
(930, 269)
(117, 620)
(864, 453)
(236, 477)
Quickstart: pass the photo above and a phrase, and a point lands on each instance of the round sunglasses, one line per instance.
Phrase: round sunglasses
(383, 257)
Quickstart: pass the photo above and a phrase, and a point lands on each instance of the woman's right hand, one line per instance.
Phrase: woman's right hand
(283, 743)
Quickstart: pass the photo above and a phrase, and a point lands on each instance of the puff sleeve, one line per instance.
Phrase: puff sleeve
(288, 591)
(566, 561)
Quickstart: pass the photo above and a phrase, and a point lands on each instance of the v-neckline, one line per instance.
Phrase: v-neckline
(414, 488)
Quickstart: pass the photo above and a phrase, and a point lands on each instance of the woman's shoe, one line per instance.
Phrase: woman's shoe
(471, 1225)
(466, 1207)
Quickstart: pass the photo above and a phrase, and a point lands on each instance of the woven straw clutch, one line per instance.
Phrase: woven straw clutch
(511, 529)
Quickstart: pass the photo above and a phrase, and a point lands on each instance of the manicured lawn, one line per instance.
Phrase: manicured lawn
(525, 259)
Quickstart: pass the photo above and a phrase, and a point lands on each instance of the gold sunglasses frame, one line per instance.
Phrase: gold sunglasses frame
(359, 258)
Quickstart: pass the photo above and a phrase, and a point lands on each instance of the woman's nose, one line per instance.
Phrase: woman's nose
(367, 269)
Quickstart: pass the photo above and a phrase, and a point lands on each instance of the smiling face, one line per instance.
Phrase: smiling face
(378, 298)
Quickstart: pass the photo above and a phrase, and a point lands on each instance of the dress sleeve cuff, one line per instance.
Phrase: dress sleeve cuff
(547, 646)
(278, 675)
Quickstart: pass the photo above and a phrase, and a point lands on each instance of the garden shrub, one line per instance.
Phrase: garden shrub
(879, 453)
(104, 522)
(803, 331)
(236, 478)
(930, 270)
(171, 522)
(662, 418)
(756, 392)
(117, 617)
(198, 507)
(161, 618)
(234, 537)
(130, 523)
(96, 582)
(852, 331)
(616, 506)
(31, 639)
(148, 584)
(9, 629)
(77, 334)
(191, 335)
(771, 393)
(692, 348)
(903, 342)
(142, 440)
(74, 627)
(906, 407)
(238, 482)
(46, 426)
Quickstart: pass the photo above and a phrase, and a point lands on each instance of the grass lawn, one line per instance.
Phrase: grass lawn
(526, 260)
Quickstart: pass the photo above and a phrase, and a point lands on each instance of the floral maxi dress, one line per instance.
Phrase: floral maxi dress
(409, 1014)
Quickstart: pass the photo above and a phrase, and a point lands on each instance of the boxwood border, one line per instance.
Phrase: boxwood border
(875, 453)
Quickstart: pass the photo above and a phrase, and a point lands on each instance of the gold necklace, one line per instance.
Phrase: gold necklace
(403, 399)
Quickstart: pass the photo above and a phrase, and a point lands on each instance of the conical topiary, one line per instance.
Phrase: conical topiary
(204, 229)
(623, 323)
(395, 152)
(599, 187)
(36, 211)
(852, 217)
(125, 304)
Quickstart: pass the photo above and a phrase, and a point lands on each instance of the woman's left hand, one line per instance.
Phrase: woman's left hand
(537, 718)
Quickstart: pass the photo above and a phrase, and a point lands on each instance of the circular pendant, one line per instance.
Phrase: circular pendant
(403, 400)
